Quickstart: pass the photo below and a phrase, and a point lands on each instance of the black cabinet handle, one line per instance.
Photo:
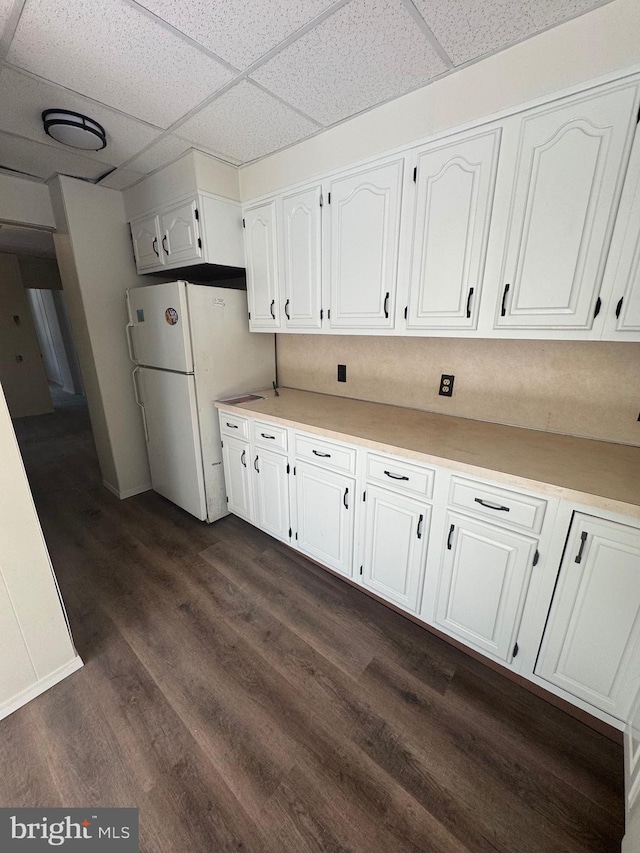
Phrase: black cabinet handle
(619, 307)
(386, 305)
(264, 435)
(489, 505)
(469, 302)
(396, 476)
(583, 538)
(255, 464)
(154, 246)
(243, 457)
(232, 426)
(344, 498)
(324, 455)
(503, 310)
(273, 313)
(164, 244)
(419, 530)
(451, 529)
(286, 309)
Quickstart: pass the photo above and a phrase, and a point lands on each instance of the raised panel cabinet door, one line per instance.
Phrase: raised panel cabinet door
(236, 461)
(180, 237)
(145, 235)
(455, 183)
(396, 536)
(271, 489)
(571, 159)
(301, 258)
(484, 577)
(261, 252)
(591, 645)
(363, 246)
(325, 504)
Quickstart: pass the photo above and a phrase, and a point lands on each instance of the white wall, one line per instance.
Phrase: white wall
(96, 267)
(37, 650)
(602, 41)
(52, 344)
(24, 202)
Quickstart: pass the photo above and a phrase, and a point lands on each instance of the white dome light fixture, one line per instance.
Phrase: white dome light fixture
(74, 129)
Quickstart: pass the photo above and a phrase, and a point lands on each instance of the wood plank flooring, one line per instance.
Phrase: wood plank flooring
(246, 700)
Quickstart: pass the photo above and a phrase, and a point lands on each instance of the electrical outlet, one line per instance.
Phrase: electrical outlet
(446, 385)
(342, 373)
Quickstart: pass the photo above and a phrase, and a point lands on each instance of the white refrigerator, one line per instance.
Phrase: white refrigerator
(191, 346)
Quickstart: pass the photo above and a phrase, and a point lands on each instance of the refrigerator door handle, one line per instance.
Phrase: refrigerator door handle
(140, 403)
(132, 355)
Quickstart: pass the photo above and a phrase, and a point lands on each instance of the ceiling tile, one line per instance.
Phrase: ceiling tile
(245, 123)
(239, 31)
(23, 98)
(121, 179)
(467, 29)
(44, 161)
(115, 54)
(26, 241)
(5, 11)
(367, 52)
(164, 151)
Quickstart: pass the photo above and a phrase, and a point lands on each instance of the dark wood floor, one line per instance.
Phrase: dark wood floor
(244, 699)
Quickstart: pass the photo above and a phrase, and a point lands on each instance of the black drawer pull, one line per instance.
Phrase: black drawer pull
(396, 476)
(451, 529)
(419, 530)
(619, 307)
(583, 539)
(324, 455)
(344, 498)
(255, 464)
(488, 505)
(273, 313)
(469, 302)
(164, 245)
(154, 246)
(503, 309)
(286, 310)
(264, 435)
(232, 426)
(386, 305)
(243, 457)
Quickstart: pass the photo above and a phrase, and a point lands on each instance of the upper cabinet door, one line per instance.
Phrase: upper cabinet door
(260, 243)
(181, 241)
(363, 241)
(301, 258)
(570, 161)
(146, 237)
(454, 197)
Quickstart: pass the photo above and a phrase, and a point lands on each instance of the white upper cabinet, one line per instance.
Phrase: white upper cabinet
(261, 253)
(181, 241)
(622, 273)
(301, 263)
(362, 245)
(591, 645)
(455, 182)
(146, 237)
(563, 193)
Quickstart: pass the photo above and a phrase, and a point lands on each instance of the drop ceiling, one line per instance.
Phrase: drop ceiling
(238, 79)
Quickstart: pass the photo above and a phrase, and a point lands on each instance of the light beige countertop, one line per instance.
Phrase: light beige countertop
(596, 473)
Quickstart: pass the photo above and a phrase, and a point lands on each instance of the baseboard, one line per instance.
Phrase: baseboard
(128, 493)
(40, 687)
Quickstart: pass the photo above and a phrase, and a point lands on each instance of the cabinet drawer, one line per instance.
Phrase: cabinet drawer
(326, 453)
(234, 425)
(403, 476)
(269, 435)
(506, 507)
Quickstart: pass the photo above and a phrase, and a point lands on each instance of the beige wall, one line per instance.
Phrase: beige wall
(25, 381)
(94, 254)
(582, 388)
(603, 41)
(24, 202)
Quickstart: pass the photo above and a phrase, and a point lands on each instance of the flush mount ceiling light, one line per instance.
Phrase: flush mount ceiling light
(74, 129)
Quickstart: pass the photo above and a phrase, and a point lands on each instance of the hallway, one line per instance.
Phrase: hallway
(244, 699)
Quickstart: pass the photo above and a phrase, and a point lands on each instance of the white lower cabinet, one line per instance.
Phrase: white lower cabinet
(271, 493)
(484, 576)
(325, 516)
(236, 456)
(395, 546)
(591, 645)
